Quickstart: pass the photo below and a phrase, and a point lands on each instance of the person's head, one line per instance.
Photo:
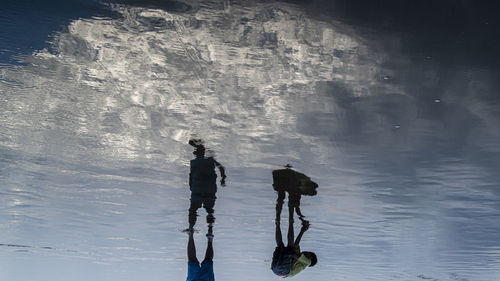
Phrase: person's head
(312, 257)
(199, 151)
(199, 147)
(308, 187)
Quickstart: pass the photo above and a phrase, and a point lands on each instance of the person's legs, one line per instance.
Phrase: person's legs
(191, 249)
(279, 207)
(209, 254)
(299, 213)
(195, 205)
(208, 204)
(279, 204)
(294, 201)
(290, 224)
(278, 235)
(207, 266)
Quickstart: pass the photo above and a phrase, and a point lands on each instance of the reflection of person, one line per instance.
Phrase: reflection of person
(205, 271)
(202, 182)
(288, 260)
(203, 186)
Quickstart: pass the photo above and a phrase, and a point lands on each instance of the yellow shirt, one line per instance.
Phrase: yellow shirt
(300, 264)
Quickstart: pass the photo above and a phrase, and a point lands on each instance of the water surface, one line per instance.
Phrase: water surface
(400, 131)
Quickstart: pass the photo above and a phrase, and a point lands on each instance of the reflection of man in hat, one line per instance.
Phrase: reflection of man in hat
(202, 182)
(289, 260)
(203, 186)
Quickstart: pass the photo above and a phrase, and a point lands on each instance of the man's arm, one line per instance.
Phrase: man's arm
(222, 173)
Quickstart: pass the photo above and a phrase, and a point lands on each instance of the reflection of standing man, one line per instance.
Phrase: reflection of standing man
(288, 260)
(203, 186)
(202, 182)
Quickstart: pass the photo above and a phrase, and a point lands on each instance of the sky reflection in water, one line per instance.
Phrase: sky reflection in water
(397, 122)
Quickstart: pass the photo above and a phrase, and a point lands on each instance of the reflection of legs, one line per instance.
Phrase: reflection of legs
(290, 225)
(279, 207)
(294, 201)
(192, 213)
(279, 238)
(279, 204)
(209, 254)
(299, 213)
(191, 250)
(209, 207)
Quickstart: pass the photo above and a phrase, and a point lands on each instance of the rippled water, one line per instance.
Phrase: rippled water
(402, 139)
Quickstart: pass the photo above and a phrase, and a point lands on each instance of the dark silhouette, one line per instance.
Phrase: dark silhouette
(202, 182)
(288, 260)
(203, 186)
(205, 271)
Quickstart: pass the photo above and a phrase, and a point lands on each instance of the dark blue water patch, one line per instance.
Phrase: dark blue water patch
(167, 5)
(447, 31)
(28, 24)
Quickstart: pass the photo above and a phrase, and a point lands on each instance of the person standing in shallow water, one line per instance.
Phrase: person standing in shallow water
(203, 186)
(288, 260)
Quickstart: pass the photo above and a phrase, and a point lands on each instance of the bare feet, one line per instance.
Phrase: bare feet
(210, 237)
(305, 224)
(189, 231)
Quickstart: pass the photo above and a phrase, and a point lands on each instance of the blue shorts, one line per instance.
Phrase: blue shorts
(205, 272)
(282, 260)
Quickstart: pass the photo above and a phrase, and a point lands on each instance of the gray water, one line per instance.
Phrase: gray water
(94, 156)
